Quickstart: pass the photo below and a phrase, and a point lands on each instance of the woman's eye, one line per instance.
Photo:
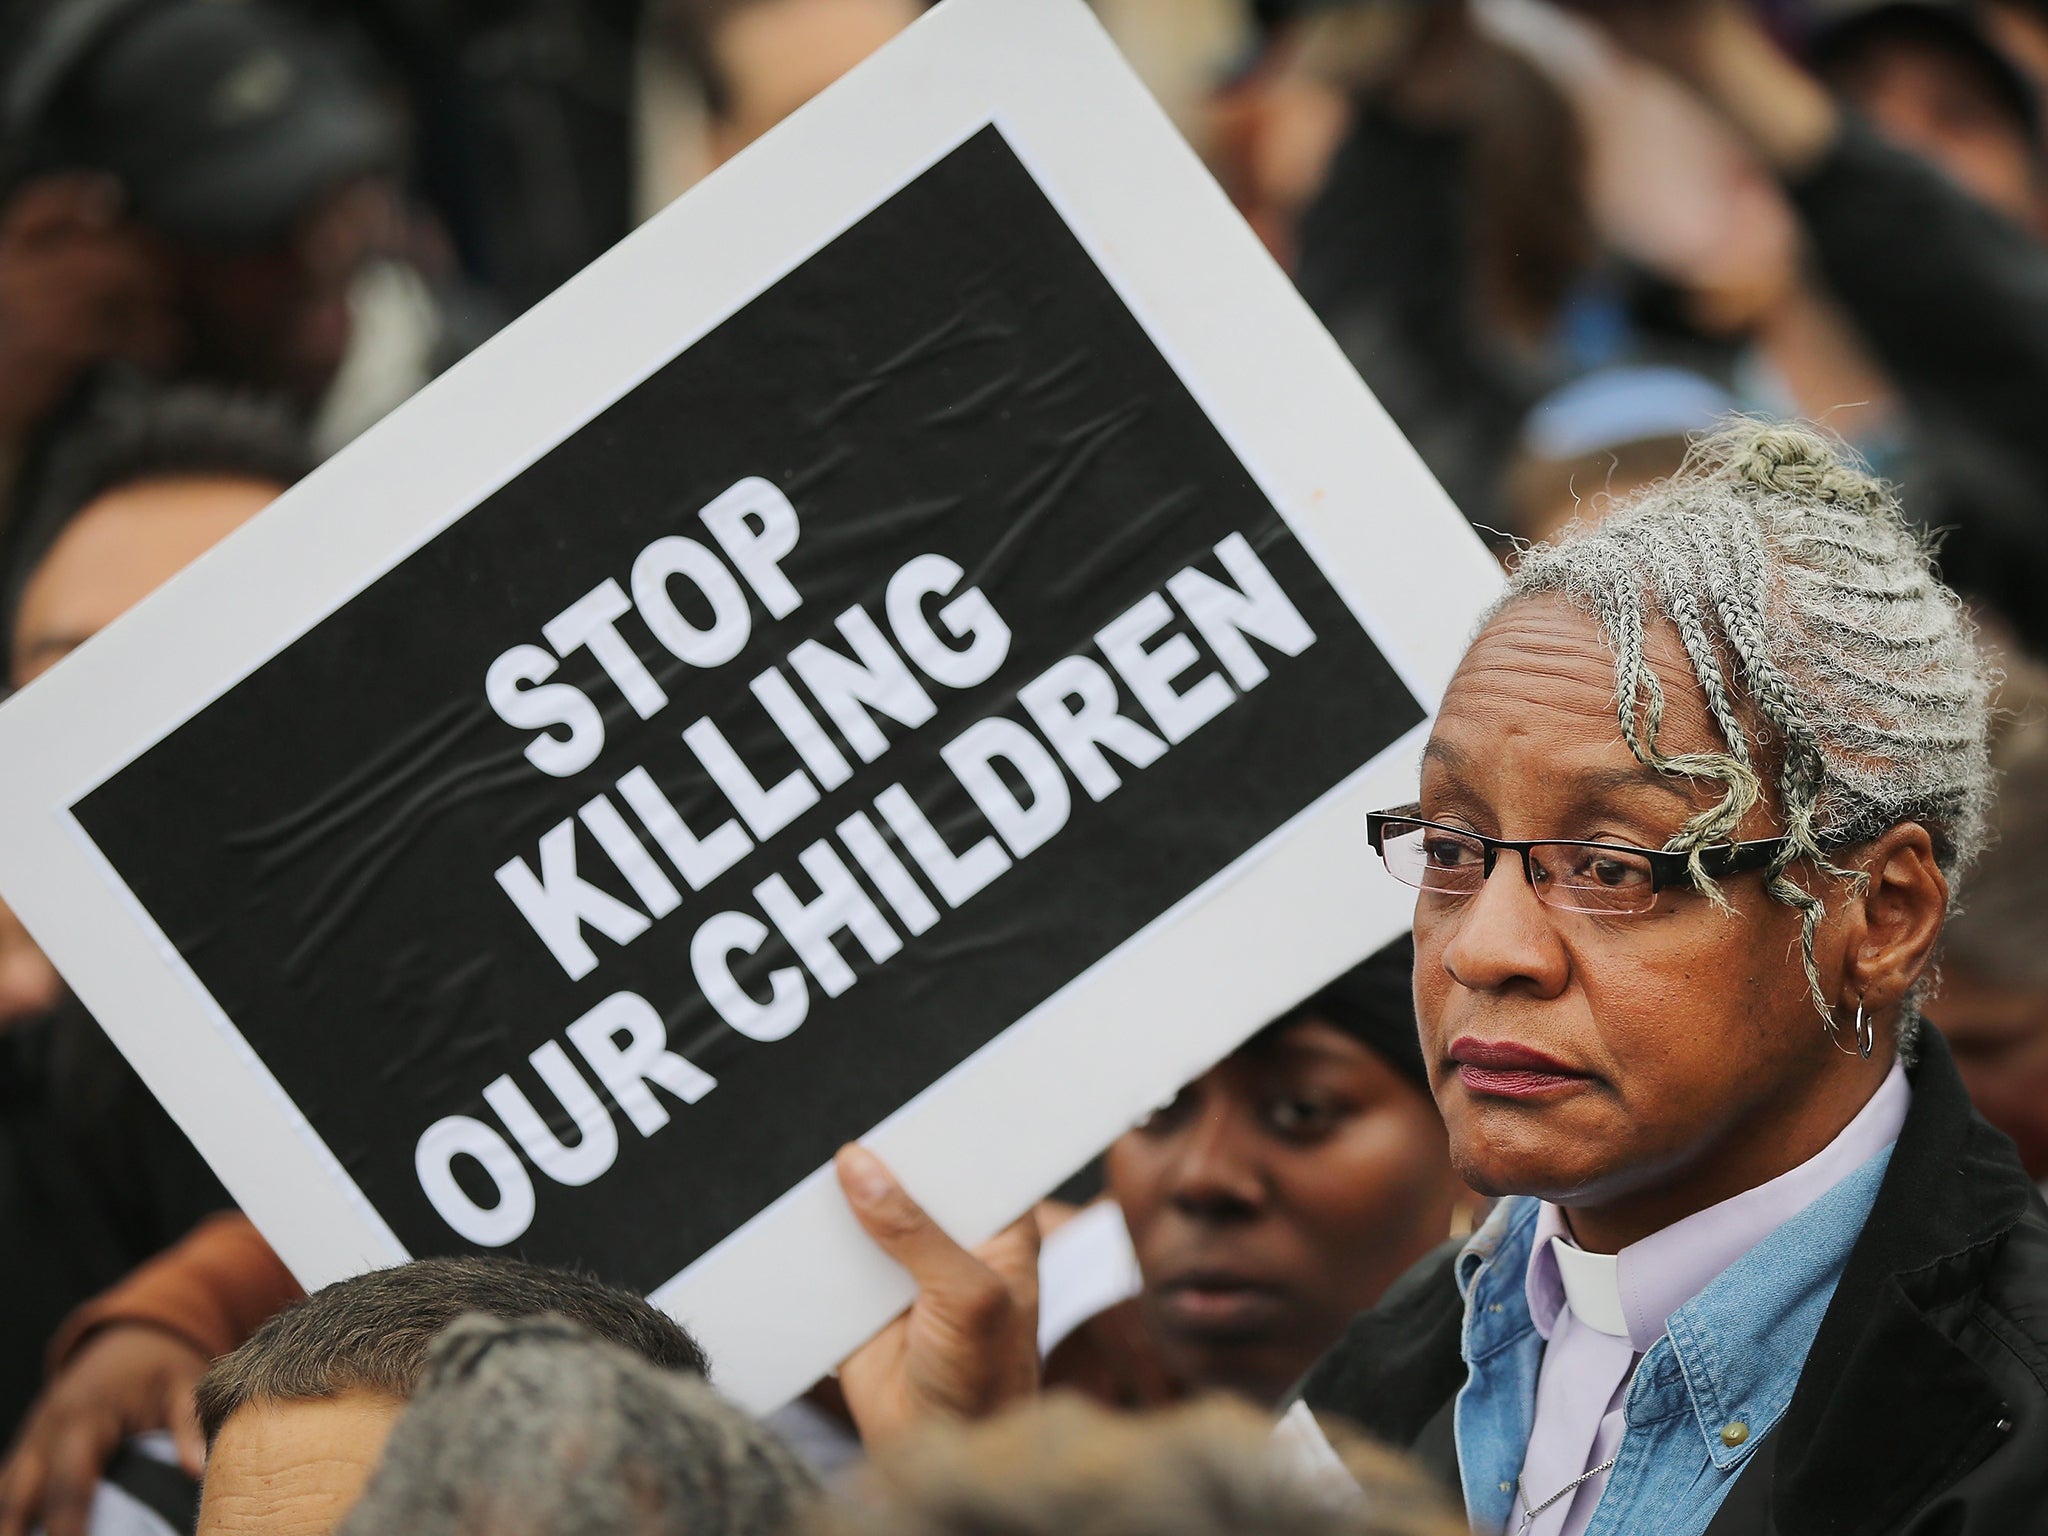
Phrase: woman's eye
(1293, 1116)
(1449, 852)
(1608, 871)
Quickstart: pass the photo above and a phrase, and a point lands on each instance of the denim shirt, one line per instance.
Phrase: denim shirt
(1730, 1356)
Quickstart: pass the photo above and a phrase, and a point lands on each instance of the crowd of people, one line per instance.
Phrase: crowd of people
(1683, 1170)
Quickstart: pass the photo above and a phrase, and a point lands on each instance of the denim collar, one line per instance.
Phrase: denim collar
(1742, 1342)
(1733, 1354)
(1491, 1271)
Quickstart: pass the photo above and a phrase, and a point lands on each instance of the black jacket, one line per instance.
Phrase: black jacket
(1923, 1406)
(94, 1179)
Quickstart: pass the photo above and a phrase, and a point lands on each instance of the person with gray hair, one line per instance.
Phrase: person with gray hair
(537, 1428)
(1693, 813)
(299, 1416)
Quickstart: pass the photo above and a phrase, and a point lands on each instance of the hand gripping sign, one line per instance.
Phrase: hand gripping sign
(897, 649)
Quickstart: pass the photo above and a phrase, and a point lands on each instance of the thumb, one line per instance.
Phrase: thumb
(897, 1223)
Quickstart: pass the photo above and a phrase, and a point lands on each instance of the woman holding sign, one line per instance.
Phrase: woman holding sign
(1692, 814)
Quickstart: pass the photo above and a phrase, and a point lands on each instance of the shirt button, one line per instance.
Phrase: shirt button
(1734, 1433)
(1507, 1487)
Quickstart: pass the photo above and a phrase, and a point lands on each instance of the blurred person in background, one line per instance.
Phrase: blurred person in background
(296, 1419)
(537, 1428)
(94, 1178)
(1932, 76)
(1275, 1198)
(1955, 316)
(98, 1178)
(1274, 121)
(750, 63)
(1587, 445)
(1067, 1468)
(1450, 237)
(205, 188)
(521, 118)
(1731, 219)
(1992, 1004)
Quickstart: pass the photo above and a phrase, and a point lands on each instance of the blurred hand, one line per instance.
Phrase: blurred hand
(968, 1345)
(1669, 181)
(125, 1380)
(1667, 32)
(77, 286)
(1721, 49)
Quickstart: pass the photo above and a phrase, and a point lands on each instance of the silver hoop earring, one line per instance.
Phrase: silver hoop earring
(1863, 1029)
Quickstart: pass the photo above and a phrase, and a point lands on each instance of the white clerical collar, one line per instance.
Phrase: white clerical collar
(1661, 1272)
(1592, 1286)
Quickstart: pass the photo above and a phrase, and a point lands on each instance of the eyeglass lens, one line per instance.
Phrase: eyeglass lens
(1576, 877)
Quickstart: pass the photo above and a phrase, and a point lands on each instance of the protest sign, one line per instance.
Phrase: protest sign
(898, 649)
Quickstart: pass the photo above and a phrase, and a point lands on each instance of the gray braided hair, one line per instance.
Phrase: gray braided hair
(1831, 656)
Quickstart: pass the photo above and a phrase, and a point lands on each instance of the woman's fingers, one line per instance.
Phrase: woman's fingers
(127, 1379)
(899, 1225)
(969, 1342)
(51, 1473)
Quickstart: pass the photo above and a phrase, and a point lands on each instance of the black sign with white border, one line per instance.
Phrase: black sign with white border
(929, 699)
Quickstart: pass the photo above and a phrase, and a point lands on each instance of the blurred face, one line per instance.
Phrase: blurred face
(777, 54)
(114, 554)
(1936, 104)
(1999, 1033)
(278, 318)
(294, 1468)
(1277, 1196)
(119, 550)
(1631, 1068)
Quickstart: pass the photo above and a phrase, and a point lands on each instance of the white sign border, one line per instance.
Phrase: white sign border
(1306, 903)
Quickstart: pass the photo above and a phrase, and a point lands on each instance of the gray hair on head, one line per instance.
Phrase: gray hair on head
(536, 1428)
(1833, 659)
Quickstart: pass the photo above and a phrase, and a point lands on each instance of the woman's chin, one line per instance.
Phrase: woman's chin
(1555, 1170)
(1514, 1149)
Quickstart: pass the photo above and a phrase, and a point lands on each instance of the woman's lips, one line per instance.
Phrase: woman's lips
(1510, 1071)
(1217, 1303)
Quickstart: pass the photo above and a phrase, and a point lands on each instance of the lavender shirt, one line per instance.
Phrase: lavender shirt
(1622, 1306)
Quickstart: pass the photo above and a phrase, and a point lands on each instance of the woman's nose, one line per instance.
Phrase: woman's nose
(1502, 936)
(1215, 1170)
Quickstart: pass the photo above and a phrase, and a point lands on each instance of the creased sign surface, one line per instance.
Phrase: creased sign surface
(950, 377)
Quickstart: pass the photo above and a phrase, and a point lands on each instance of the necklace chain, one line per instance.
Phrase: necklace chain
(1529, 1515)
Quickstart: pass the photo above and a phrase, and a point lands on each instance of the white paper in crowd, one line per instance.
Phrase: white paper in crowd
(898, 649)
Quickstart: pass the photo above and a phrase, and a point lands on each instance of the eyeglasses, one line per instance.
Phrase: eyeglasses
(1615, 879)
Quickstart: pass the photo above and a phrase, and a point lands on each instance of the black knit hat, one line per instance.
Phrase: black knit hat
(224, 120)
(1374, 1003)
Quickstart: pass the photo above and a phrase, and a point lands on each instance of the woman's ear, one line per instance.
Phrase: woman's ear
(1896, 921)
